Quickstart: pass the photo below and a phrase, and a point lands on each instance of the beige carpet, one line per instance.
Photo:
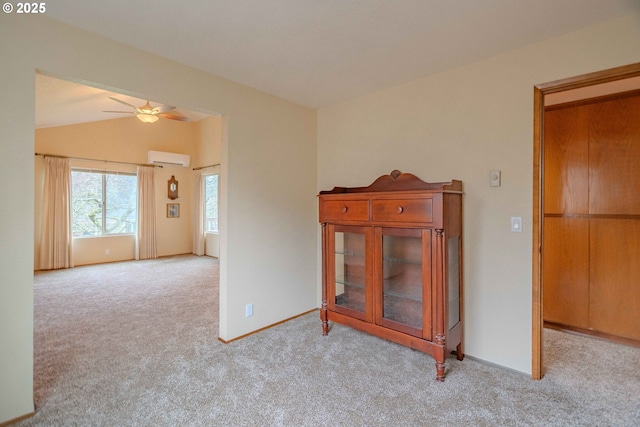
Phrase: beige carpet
(135, 344)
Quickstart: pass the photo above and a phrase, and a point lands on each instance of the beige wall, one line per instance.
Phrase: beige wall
(210, 129)
(461, 124)
(129, 140)
(94, 250)
(208, 141)
(268, 145)
(209, 151)
(174, 235)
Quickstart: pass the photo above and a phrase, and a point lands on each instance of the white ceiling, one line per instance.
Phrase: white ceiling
(319, 52)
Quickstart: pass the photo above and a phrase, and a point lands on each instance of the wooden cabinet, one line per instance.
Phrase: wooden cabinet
(392, 262)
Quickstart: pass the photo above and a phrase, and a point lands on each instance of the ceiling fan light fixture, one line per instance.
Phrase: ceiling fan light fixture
(147, 118)
(149, 114)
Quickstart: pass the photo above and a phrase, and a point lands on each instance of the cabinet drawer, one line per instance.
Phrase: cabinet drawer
(344, 210)
(403, 210)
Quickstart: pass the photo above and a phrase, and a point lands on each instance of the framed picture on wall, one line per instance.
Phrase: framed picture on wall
(173, 210)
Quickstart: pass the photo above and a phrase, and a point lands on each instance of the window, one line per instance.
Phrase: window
(211, 202)
(103, 203)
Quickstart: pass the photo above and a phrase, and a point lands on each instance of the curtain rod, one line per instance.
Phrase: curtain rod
(204, 167)
(96, 160)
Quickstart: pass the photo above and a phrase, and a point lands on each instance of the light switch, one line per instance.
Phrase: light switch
(495, 178)
(516, 224)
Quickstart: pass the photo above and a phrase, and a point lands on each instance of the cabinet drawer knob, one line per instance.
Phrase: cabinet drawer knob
(400, 209)
(344, 209)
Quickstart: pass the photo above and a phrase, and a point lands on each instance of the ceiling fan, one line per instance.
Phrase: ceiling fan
(149, 114)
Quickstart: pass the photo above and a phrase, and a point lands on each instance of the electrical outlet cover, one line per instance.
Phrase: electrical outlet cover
(495, 178)
(516, 224)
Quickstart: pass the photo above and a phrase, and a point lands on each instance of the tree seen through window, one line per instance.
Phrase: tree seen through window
(103, 203)
(211, 202)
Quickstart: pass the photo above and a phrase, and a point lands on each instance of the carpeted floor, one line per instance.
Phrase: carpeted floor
(135, 344)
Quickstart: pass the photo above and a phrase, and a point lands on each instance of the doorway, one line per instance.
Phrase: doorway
(99, 132)
(576, 86)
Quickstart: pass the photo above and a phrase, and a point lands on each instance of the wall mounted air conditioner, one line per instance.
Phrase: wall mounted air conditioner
(161, 157)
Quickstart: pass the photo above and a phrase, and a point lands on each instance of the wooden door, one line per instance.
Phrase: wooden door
(566, 230)
(614, 157)
(566, 161)
(566, 271)
(566, 239)
(591, 260)
(615, 277)
(614, 205)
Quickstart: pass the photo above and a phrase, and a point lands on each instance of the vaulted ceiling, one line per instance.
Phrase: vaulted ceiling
(319, 52)
(60, 102)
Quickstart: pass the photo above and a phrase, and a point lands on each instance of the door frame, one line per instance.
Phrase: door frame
(539, 92)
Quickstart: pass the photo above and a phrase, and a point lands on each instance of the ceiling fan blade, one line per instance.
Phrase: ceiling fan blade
(174, 117)
(121, 112)
(122, 102)
(164, 108)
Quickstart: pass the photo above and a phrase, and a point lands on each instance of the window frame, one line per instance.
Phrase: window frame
(103, 174)
(204, 207)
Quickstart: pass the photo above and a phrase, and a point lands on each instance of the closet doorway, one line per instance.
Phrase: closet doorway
(578, 206)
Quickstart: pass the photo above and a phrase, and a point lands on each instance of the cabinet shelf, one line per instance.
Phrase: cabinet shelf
(402, 261)
(404, 285)
(346, 282)
(405, 290)
(350, 254)
(393, 294)
(403, 310)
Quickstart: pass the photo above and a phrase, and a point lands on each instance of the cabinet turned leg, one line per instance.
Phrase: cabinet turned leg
(323, 319)
(440, 356)
(459, 352)
(439, 371)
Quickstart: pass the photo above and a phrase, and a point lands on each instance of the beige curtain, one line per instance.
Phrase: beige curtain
(146, 239)
(55, 244)
(198, 215)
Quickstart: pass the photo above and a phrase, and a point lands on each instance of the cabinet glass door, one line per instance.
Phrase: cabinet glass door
(348, 290)
(403, 275)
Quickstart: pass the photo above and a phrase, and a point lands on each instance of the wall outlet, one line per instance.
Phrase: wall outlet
(107, 251)
(248, 310)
